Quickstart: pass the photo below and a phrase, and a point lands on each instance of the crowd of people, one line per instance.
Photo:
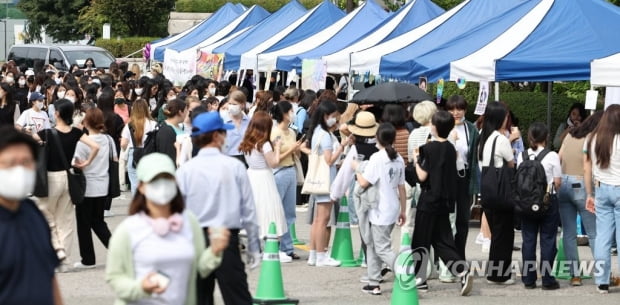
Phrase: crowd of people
(209, 160)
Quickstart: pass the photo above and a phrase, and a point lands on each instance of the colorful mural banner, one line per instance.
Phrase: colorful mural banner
(210, 65)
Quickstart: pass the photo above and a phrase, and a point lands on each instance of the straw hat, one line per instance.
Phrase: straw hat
(365, 125)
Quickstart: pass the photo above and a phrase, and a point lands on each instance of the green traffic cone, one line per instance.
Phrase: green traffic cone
(342, 249)
(270, 288)
(296, 241)
(404, 290)
(561, 266)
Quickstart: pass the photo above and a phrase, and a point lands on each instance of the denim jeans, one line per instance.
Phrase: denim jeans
(607, 203)
(548, 228)
(286, 181)
(572, 201)
(131, 172)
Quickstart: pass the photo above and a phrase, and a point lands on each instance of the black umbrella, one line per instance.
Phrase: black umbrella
(391, 93)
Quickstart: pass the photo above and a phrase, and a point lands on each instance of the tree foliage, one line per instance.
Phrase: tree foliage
(58, 17)
(127, 18)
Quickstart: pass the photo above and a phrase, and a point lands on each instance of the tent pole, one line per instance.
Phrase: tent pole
(496, 85)
(549, 95)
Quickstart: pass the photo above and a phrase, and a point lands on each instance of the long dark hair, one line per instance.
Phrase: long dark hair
(587, 126)
(606, 132)
(65, 109)
(386, 134)
(325, 107)
(494, 117)
(105, 102)
(8, 97)
(280, 109)
(138, 204)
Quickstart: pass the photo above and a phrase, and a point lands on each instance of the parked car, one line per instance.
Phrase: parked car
(37, 56)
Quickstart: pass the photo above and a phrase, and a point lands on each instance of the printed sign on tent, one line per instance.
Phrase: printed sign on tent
(313, 74)
(210, 65)
(179, 66)
(483, 96)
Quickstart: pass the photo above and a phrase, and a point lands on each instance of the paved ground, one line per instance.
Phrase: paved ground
(328, 286)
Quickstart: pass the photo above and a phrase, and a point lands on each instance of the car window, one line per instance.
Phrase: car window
(102, 59)
(56, 57)
(19, 55)
(36, 58)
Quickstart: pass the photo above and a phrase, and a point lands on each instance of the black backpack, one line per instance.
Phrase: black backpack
(150, 144)
(530, 187)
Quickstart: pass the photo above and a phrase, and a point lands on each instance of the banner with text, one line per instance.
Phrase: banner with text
(313, 74)
(179, 67)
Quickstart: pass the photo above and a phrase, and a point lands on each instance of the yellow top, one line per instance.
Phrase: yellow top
(288, 140)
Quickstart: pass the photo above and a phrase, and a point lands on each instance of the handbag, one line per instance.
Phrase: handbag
(114, 187)
(41, 188)
(299, 170)
(75, 176)
(317, 180)
(495, 185)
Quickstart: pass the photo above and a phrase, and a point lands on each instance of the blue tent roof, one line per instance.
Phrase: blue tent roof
(366, 19)
(214, 24)
(250, 39)
(422, 12)
(325, 15)
(241, 6)
(572, 34)
(475, 25)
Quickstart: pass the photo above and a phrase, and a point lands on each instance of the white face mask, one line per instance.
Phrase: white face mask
(161, 191)
(224, 115)
(212, 91)
(60, 94)
(21, 82)
(39, 105)
(17, 182)
(139, 91)
(58, 81)
(234, 110)
(10, 79)
(331, 122)
(70, 98)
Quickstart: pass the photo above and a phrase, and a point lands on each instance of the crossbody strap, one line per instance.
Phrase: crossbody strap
(110, 147)
(60, 150)
(492, 162)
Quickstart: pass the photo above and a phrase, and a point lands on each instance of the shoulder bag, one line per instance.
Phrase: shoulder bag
(75, 176)
(317, 180)
(41, 188)
(114, 187)
(495, 186)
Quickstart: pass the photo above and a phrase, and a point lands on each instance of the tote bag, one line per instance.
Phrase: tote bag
(496, 185)
(75, 176)
(41, 188)
(114, 187)
(317, 180)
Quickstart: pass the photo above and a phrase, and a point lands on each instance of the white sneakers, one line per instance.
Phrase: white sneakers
(327, 262)
(284, 258)
(79, 265)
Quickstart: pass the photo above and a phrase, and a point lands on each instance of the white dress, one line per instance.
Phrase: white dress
(266, 196)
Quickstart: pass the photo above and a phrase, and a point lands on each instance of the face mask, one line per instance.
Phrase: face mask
(17, 182)
(21, 82)
(224, 115)
(70, 98)
(60, 94)
(40, 105)
(9, 79)
(212, 91)
(331, 122)
(119, 100)
(234, 110)
(161, 191)
(139, 91)
(58, 81)
(170, 98)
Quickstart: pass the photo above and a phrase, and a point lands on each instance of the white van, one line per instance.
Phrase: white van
(37, 56)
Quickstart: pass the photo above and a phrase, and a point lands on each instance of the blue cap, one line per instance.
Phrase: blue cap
(207, 122)
(35, 96)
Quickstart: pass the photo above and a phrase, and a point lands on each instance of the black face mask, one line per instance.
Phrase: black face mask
(119, 101)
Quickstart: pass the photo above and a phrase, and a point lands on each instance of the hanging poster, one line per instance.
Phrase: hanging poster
(210, 65)
(179, 67)
(483, 97)
(313, 74)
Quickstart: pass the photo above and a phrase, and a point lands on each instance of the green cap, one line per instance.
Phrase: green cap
(154, 164)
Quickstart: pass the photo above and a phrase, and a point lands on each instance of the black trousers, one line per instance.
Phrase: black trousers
(434, 230)
(231, 277)
(502, 240)
(108, 203)
(463, 213)
(89, 216)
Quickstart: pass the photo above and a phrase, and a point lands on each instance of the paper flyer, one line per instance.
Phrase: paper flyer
(483, 96)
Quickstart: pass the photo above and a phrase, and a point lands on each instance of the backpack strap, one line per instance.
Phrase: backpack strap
(542, 154)
(524, 155)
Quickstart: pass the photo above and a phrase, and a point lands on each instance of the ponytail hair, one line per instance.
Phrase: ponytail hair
(280, 109)
(386, 134)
